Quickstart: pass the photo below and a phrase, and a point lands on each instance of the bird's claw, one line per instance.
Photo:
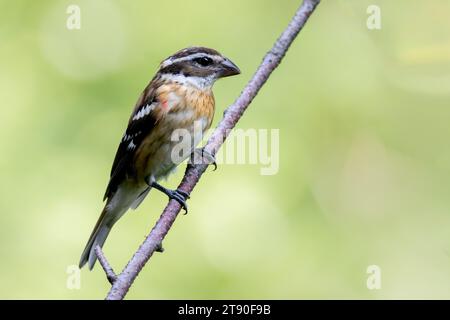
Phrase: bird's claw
(181, 197)
(178, 195)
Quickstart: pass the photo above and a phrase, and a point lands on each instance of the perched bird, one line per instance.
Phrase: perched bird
(178, 97)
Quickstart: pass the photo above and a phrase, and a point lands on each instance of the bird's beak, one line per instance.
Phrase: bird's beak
(228, 68)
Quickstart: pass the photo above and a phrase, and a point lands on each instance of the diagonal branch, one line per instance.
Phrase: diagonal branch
(193, 173)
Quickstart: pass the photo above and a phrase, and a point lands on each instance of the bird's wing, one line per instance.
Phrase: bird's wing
(142, 121)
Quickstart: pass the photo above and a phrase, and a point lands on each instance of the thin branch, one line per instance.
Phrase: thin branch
(193, 173)
(110, 274)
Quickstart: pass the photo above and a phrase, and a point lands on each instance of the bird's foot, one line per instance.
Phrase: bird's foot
(177, 195)
(200, 156)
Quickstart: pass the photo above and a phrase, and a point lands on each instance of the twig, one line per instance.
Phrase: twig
(193, 173)
(110, 274)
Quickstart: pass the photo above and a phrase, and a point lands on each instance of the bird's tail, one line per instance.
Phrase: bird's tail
(124, 198)
(98, 237)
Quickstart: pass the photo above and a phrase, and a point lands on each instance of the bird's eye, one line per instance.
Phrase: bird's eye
(203, 61)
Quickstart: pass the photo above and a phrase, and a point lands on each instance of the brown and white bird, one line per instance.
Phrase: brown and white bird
(178, 97)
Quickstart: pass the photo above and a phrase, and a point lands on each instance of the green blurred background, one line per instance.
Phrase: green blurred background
(364, 150)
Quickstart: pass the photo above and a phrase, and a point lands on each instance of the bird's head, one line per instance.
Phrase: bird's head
(199, 66)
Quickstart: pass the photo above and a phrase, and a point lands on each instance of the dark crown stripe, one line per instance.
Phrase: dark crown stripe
(194, 50)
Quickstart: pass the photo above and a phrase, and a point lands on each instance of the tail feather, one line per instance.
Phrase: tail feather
(98, 237)
(124, 198)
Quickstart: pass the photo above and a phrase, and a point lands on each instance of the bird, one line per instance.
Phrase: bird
(179, 97)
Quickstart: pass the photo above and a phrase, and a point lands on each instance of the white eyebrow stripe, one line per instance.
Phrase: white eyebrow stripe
(170, 61)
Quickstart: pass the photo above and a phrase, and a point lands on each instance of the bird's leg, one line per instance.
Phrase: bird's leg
(204, 155)
(178, 195)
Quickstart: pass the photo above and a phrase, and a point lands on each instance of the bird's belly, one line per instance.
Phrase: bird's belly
(171, 143)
